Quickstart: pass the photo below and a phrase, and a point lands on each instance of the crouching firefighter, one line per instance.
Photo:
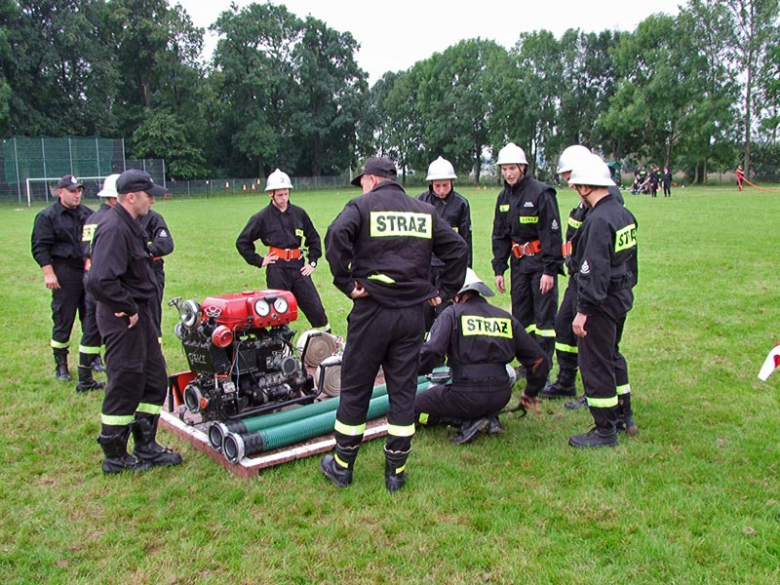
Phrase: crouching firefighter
(379, 250)
(122, 282)
(479, 340)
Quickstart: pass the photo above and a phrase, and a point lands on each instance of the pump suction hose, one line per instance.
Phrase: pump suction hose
(218, 430)
(237, 446)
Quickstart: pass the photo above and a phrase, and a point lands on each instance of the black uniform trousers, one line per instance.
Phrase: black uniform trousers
(535, 311)
(66, 301)
(155, 306)
(137, 380)
(90, 339)
(565, 340)
(461, 401)
(391, 338)
(600, 358)
(432, 312)
(302, 287)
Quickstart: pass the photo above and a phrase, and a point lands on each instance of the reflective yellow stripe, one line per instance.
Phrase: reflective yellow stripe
(339, 461)
(471, 325)
(400, 469)
(624, 389)
(574, 223)
(88, 232)
(625, 238)
(531, 328)
(566, 348)
(399, 431)
(59, 345)
(423, 418)
(349, 430)
(382, 278)
(298, 233)
(529, 219)
(503, 208)
(545, 332)
(603, 402)
(146, 408)
(401, 223)
(89, 350)
(116, 420)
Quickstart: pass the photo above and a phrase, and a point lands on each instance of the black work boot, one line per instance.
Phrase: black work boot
(563, 387)
(87, 382)
(338, 468)
(494, 425)
(98, 365)
(469, 430)
(581, 402)
(61, 370)
(116, 458)
(595, 437)
(395, 469)
(146, 448)
(625, 422)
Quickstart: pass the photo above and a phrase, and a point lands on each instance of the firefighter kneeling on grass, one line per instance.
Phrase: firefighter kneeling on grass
(480, 340)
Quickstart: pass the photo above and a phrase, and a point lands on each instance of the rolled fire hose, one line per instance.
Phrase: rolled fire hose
(219, 430)
(319, 345)
(331, 379)
(235, 446)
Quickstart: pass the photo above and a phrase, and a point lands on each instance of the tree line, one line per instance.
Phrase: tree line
(699, 91)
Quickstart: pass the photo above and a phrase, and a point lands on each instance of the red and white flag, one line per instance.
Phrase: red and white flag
(771, 363)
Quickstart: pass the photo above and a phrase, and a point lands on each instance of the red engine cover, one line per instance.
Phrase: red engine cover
(256, 309)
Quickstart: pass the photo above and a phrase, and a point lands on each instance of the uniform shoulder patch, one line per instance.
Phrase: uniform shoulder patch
(585, 268)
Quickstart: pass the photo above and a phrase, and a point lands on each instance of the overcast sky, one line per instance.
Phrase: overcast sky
(394, 35)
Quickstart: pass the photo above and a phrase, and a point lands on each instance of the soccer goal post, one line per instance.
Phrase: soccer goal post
(42, 187)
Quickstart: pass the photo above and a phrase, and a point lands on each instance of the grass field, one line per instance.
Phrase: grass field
(694, 498)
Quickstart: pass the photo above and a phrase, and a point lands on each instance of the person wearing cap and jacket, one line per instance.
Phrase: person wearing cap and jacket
(604, 258)
(527, 231)
(479, 341)
(56, 247)
(160, 243)
(453, 208)
(122, 281)
(379, 248)
(286, 229)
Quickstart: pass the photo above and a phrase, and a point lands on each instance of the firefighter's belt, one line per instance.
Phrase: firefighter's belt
(286, 253)
(566, 249)
(526, 249)
(478, 372)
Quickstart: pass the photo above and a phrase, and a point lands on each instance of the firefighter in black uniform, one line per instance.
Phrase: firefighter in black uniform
(605, 264)
(379, 249)
(56, 247)
(283, 227)
(108, 197)
(527, 228)
(160, 243)
(479, 340)
(122, 281)
(453, 208)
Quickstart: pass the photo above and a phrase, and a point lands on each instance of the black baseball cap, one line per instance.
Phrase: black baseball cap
(70, 183)
(135, 180)
(379, 167)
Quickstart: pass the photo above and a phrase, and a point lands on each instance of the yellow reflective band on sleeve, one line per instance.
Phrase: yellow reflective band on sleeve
(59, 344)
(88, 232)
(349, 430)
(624, 389)
(545, 332)
(400, 431)
(381, 278)
(603, 402)
(385, 224)
(89, 350)
(529, 219)
(503, 208)
(298, 233)
(566, 348)
(117, 420)
(455, 229)
(488, 326)
(574, 223)
(423, 418)
(531, 328)
(146, 408)
(625, 238)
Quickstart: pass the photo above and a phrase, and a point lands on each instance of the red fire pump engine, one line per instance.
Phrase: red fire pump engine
(242, 361)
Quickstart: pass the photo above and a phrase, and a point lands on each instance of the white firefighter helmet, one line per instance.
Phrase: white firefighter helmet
(473, 282)
(511, 154)
(569, 156)
(440, 170)
(278, 180)
(109, 187)
(591, 170)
